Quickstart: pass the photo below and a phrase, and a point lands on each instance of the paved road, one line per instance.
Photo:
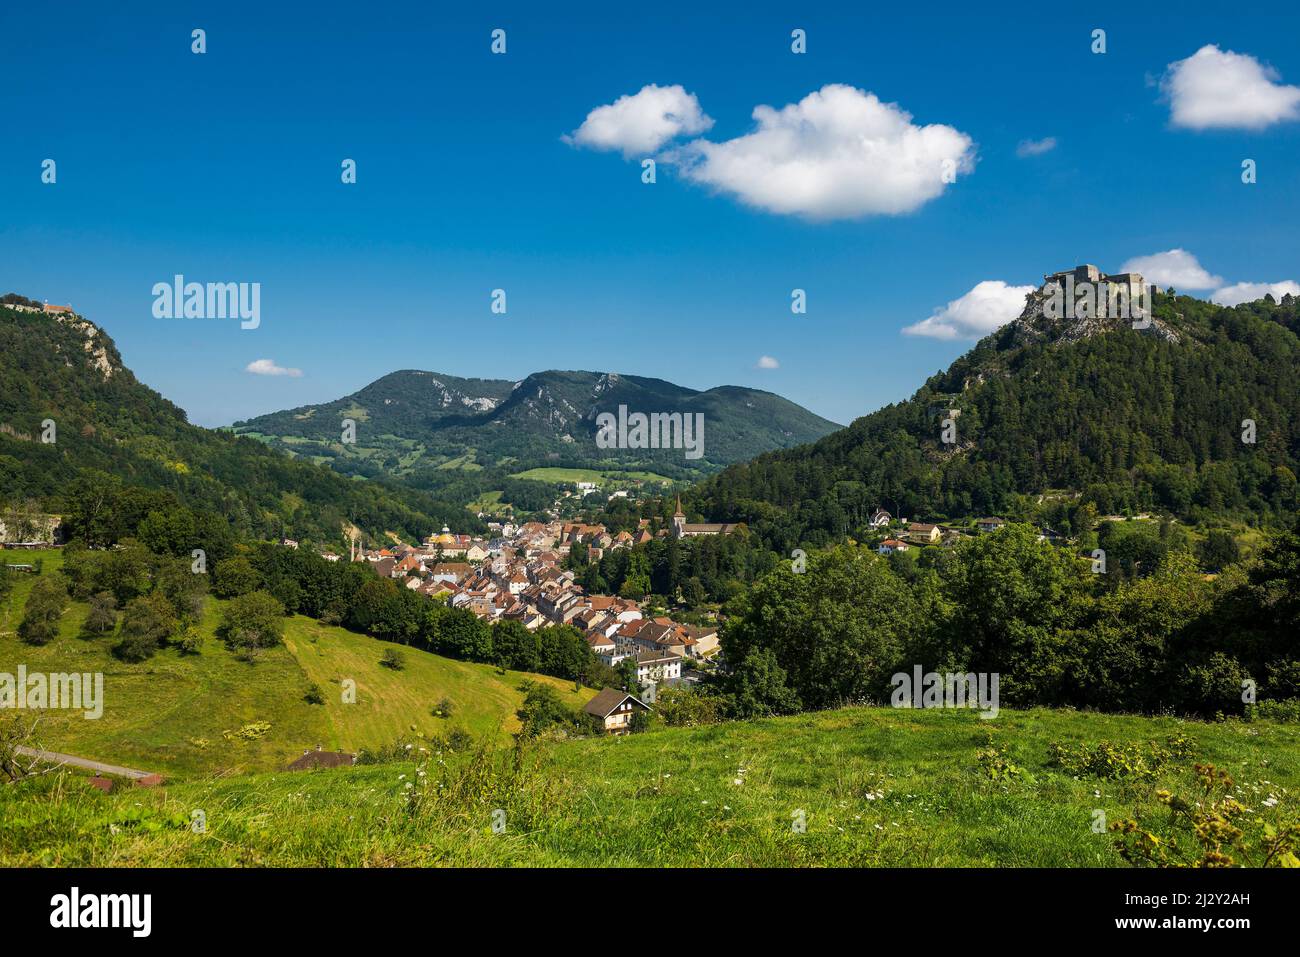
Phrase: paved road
(55, 758)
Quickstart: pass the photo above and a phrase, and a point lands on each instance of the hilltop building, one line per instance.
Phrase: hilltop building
(685, 529)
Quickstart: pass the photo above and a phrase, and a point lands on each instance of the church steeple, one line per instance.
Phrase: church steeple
(679, 513)
(679, 519)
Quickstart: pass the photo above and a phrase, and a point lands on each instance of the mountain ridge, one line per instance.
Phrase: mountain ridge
(411, 419)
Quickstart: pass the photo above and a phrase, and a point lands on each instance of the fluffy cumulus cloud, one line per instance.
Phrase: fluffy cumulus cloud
(1250, 291)
(1173, 267)
(990, 304)
(642, 122)
(767, 362)
(839, 153)
(1036, 147)
(269, 367)
(1219, 89)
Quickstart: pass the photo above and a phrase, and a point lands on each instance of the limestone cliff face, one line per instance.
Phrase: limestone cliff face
(1068, 313)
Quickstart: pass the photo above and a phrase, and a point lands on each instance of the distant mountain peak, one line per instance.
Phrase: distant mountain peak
(426, 419)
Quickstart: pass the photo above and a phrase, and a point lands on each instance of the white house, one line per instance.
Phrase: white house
(657, 666)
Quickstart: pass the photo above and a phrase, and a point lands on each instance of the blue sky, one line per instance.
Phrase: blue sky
(226, 167)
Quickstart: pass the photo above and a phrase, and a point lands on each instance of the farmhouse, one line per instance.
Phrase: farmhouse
(923, 532)
(614, 709)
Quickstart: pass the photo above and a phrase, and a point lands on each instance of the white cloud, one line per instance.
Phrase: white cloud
(642, 122)
(839, 153)
(1036, 147)
(268, 367)
(767, 362)
(1218, 89)
(992, 303)
(1250, 291)
(1174, 267)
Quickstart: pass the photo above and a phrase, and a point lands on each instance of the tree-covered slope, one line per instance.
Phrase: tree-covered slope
(1129, 418)
(108, 426)
(412, 420)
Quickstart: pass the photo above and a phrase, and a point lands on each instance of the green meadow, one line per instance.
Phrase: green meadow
(869, 787)
(181, 715)
(600, 477)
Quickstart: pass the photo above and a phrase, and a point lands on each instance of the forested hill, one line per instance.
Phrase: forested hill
(112, 432)
(413, 420)
(1148, 419)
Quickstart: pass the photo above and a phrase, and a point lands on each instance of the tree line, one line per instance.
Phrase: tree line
(1059, 634)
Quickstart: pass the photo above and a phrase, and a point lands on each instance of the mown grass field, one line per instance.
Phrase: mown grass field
(876, 787)
(170, 714)
(600, 477)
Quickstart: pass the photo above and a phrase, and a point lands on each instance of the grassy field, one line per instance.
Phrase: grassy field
(490, 503)
(390, 702)
(171, 713)
(604, 477)
(874, 786)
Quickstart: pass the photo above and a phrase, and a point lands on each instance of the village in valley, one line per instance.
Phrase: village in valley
(518, 574)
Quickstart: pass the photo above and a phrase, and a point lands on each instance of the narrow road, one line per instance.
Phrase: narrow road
(55, 758)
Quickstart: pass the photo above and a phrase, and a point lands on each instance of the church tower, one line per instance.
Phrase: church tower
(679, 520)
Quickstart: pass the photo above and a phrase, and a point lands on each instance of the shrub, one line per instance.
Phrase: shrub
(1209, 828)
(249, 732)
(542, 710)
(38, 631)
(146, 623)
(394, 659)
(458, 739)
(995, 765)
(252, 622)
(688, 707)
(1116, 761)
(102, 617)
(1283, 712)
(45, 606)
(191, 642)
